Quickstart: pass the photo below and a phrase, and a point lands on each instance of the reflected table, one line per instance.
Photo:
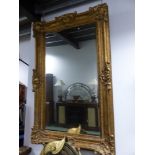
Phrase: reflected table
(72, 113)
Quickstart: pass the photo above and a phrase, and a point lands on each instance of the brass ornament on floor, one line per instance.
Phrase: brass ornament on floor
(54, 147)
(60, 147)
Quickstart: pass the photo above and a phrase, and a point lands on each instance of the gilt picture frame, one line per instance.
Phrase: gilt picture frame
(105, 143)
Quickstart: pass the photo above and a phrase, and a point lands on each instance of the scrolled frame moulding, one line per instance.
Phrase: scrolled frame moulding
(105, 143)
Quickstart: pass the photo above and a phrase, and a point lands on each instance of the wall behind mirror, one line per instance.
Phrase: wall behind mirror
(71, 80)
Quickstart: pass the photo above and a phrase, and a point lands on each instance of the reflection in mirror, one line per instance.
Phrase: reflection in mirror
(72, 81)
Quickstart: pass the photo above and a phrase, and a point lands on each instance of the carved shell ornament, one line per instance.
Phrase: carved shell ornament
(66, 19)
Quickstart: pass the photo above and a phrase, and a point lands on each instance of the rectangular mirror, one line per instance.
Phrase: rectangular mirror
(72, 81)
(72, 94)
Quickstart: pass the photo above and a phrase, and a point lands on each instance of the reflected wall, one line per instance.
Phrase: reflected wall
(73, 71)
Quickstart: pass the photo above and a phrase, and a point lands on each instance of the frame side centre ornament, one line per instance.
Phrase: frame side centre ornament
(36, 80)
(106, 76)
(67, 18)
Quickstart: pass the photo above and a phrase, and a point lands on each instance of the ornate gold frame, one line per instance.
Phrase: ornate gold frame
(104, 143)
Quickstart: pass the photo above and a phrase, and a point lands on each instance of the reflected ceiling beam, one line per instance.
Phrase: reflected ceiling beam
(71, 36)
(55, 43)
(23, 12)
(22, 19)
(68, 40)
(57, 5)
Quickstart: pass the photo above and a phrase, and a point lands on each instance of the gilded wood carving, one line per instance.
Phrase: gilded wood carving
(106, 76)
(104, 144)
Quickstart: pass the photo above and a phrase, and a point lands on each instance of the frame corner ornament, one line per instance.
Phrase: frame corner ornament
(104, 148)
(36, 136)
(112, 143)
(106, 76)
(100, 12)
(38, 27)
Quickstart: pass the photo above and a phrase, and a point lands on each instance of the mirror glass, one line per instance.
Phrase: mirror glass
(72, 81)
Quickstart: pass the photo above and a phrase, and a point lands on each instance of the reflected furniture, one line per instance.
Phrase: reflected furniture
(49, 99)
(71, 113)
